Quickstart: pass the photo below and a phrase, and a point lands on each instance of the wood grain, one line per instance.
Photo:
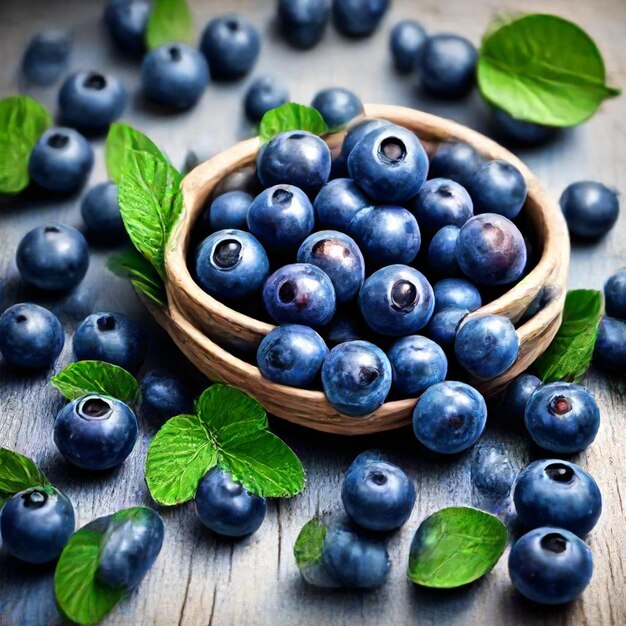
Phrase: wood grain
(199, 579)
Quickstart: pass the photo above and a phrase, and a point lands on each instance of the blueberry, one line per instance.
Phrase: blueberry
(552, 492)
(386, 234)
(590, 209)
(303, 22)
(53, 257)
(231, 45)
(281, 217)
(519, 130)
(449, 417)
(615, 294)
(292, 355)
(337, 105)
(174, 75)
(396, 300)
(61, 160)
(300, 293)
(353, 136)
(229, 210)
(110, 337)
(91, 100)
(231, 264)
(225, 507)
(342, 328)
(389, 163)
(498, 187)
(47, 56)
(417, 363)
(441, 255)
(550, 565)
(492, 475)
(456, 293)
(491, 250)
(294, 157)
(356, 376)
(516, 396)
(30, 336)
(36, 524)
(358, 18)
(100, 211)
(376, 494)
(129, 548)
(455, 160)
(406, 41)
(337, 202)
(562, 417)
(339, 257)
(126, 21)
(164, 396)
(443, 325)
(442, 202)
(263, 94)
(610, 348)
(487, 346)
(95, 432)
(447, 66)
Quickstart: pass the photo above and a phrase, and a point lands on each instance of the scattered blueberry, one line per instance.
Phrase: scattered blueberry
(358, 18)
(443, 325)
(126, 21)
(610, 347)
(442, 202)
(229, 211)
(406, 41)
(455, 160)
(520, 130)
(264, 93)
(337, 105)
(101, 213)
(303, 22)
(456, 293)
(590, 209)
(498, 187)
(353, 136)
(441, 255)
(417, 363)
(516, 396)
(164, 396)
(47, 56)
(337, 202)
(615, 294)
(493, 476)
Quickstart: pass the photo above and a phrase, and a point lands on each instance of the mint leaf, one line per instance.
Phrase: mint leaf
(170, 21)
(543, 69)
(569, 355)
(144, 278)
(308, 552)
(18, 472)
(291, 116)
(121, 138)
(180, 454)
(455, 546)
(22, 122)
(83, 377)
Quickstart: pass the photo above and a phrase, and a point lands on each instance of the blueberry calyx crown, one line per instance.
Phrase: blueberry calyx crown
(554, 542)
(94, 408)
(328, 248)
(378, 478)
(560, 405)
(392, 150)
(95, 81)
(174, 53)
(404, 296)
(105, 322)
(21, 318)
(493, 234)
(227, 254)
(35, 498)
(232, 24)
(368, 374)
(287, 292)
(58, 141)
(560, 473)
(282, 197)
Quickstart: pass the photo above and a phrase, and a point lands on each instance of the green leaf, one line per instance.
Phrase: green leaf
(83, 377)
(180, 454)
(22, 122)
(120, 139)
(309, 545)
(455, 546)
(569, 355)
(291, 116)
(18, 472)
(543, 69)
(170, 21)
(141, 273)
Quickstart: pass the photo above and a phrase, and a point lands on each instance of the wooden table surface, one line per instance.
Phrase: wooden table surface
(201, 579)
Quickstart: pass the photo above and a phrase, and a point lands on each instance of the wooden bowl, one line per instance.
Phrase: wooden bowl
(196, 321)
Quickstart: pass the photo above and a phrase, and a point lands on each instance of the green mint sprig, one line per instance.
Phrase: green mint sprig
(455, 546)
(569, 354)
(18, 472)
(291, 116)
(170, 21)
(229, 430)
(543, 69)
(140, 272)
(22, 122)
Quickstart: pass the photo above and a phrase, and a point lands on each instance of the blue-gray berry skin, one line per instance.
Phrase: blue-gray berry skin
(442, 202)
(449, 417)
(231, 264)
(520, 131)
(111, 337)
(174, 76)
(610, 348)
(417, 363)
(356, 376)
(228, 211)
(456, 293)
(339, 257)
(53, 257)
(61, 160)
(516, 396)
(95, 432)
(355, 133)
(590, 209)
(231, 45)
(47, 56)
(552, 492)
(447, 66)
(337, 105)
(31, 337)
(615, 294)
(550, 565)
(455, 160)
(498, 187)
(100, 211)
(337, 202)
(129, 549)
(441, 255)
(406, 41)
(263, 94)
(164, 396)
(295, 157)
(302, 22)
(562, 417)
(343, 327)
(358, 18)
(126, 21)
(443, 326)
(226, 507)
(487, 346)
